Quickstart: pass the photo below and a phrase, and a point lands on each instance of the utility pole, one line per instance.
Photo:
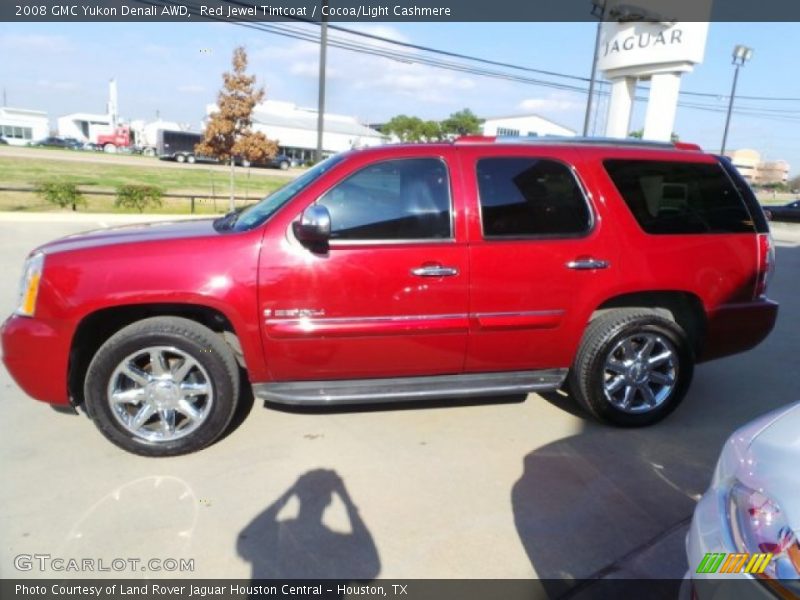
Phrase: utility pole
(741, 54)
(598, 10)
(323, 47)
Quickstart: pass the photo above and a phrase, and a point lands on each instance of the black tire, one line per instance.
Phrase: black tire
(180, 158)
(284, 165)
(190, 159)
(587, 378)
(198, 342)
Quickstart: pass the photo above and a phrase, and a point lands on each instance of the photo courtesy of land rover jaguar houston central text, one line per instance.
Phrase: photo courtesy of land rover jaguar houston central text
(479, 267)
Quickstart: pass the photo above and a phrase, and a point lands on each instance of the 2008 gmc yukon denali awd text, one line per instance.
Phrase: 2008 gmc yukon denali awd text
(478, 267)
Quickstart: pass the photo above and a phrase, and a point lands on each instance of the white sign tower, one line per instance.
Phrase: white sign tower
(656, 51)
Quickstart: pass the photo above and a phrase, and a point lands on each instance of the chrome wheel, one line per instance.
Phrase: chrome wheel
(160, 394)
(640, 372)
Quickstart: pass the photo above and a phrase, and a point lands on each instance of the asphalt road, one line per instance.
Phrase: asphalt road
(503, 489)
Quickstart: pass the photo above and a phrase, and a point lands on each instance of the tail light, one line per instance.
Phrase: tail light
(766, 263)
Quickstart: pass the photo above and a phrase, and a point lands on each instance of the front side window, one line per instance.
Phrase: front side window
(524, 197)
(668, 197)
(255, 215)
(404, 199)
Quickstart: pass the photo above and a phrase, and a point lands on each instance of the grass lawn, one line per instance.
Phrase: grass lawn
(28, 172)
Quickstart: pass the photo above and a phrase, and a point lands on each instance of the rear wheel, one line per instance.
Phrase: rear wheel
(110, 148)
(633, 368)
(162, 386)
(284, 165)
(180, 158)
(190, 159)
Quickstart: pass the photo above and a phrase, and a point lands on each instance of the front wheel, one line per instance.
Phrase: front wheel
(162, 386)
(633, 368)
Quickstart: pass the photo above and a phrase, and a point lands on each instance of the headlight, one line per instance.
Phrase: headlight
(29, 286)
(759, 526)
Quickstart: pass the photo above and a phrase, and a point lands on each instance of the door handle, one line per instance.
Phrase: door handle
(587, 264)
(434, 271)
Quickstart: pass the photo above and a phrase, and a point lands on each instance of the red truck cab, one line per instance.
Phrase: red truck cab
(422, 271)
(119, 138)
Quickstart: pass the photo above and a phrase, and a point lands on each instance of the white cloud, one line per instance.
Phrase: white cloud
(34, 43)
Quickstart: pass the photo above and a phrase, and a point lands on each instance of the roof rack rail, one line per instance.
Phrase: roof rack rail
(587, 141)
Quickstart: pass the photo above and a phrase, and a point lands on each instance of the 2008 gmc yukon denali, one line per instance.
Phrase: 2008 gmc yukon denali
(480, 267)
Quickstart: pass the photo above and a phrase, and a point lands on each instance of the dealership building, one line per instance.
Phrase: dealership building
(756, 171)
(295, 129)
(19, 126)
(523, 125)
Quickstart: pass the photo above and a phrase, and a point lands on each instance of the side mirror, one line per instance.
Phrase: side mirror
(313, 230)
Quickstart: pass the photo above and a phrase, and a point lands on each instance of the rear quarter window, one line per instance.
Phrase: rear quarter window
(670, 197)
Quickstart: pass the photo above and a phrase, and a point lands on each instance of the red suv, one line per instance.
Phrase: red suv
(475, 268)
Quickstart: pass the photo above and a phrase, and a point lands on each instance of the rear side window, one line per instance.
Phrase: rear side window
(669, 197)
(524, 197)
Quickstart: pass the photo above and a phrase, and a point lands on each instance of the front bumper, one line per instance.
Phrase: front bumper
(734, 328)
(36, 354)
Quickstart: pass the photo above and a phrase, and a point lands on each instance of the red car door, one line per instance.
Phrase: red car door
(539, 256)
(389, 297)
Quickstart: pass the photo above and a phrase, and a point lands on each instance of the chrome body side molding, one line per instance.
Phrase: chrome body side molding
(398, 389)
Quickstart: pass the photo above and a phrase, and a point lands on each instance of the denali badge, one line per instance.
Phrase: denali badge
(294, 313)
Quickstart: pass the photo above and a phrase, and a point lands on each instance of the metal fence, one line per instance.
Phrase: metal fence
(192, 198)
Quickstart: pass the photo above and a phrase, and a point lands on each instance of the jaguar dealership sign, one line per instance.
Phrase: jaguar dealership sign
(643, 45)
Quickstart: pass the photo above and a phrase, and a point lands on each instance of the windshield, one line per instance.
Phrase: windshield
(257, 214)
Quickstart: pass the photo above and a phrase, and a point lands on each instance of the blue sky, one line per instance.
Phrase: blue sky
(175, 68)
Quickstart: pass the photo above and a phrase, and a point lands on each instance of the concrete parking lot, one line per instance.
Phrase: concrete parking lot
(501, 489)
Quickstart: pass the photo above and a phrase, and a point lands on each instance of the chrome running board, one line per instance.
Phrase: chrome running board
(400, 389)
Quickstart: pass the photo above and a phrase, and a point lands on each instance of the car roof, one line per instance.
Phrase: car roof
(600, 145)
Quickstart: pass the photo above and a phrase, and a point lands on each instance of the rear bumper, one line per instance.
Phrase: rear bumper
(734, 328)
(36, 354)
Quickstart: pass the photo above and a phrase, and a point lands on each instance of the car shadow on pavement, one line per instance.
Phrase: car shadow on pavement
(593, 505)
(304, 547)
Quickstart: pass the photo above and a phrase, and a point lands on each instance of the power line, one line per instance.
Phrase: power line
(406, 57)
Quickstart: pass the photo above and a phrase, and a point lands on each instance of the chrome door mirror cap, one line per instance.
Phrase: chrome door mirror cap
(313, 229)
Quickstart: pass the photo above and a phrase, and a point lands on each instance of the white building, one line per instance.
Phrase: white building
(295, 129)
(524, 125)
(19, 126)
(84, 126)
(756, 171)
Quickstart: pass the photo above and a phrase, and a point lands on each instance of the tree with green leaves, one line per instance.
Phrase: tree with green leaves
(463, 122)
(228, 135)
(138, 197)
(62, 194)
(413, 129)
(639, 134)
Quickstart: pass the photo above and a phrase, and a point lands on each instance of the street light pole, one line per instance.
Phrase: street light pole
(741, 54)
(323, 47)
(599, 10)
